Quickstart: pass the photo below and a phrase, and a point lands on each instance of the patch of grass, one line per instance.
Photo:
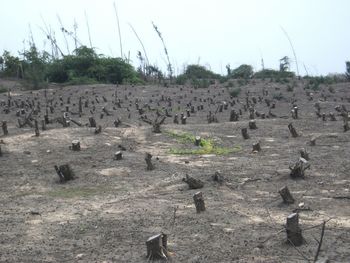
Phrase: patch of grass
(78, 192)
(207, 145)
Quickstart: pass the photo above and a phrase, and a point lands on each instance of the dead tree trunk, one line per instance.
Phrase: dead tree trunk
(298, 169)
(197, 141)
(4, 128)
(193, 183)
(313, 141)
(245, 133)
(292, 130)
(199, 202)
(0, 151)
(43, 125)
(293, 230)
(157, 247)
(148, 160)
(286, 195)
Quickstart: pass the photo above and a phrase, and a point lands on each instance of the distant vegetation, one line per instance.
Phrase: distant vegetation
(82, 67)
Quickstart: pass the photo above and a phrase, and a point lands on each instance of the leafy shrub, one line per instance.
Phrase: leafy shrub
(290, 88)
(271, 73)
(200, 83)
(242, 72)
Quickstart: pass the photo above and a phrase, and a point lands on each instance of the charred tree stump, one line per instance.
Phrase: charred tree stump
(148, 160)
(64, 172)
(4, 128)
(252, 125)
(118, 155)
(245, 133)
(157, 247)
(199, 202)
(256, 147)
(0, 151)
(286, 195)
(193, 183)
(292, 130)
(117, 122)
(304, 154)
(183, 119)
(176, 119)
(217, 177)
(293, 230)
(36, 126)
(75, 145)
(92, 122)
(346, 122)
(298, 169)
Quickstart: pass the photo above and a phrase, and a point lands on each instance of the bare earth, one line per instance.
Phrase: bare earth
(112, 207)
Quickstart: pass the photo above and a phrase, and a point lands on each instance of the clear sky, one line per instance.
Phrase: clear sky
(213, 33)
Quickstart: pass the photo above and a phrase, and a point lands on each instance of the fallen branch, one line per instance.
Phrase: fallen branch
(320, 243)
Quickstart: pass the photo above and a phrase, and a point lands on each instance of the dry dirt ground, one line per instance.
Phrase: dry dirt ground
(112, 207)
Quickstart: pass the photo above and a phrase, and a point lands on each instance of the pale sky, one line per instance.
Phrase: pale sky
(213, 33)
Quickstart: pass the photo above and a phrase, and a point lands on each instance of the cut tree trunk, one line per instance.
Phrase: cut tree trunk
(245, 133)
(256, 147)
(92, 122)
(286, 195)
(293, 230)
(193, 183)
(199, 202)
(157, 247)
(252, 125)
(118, 155)
(64, 172)
(304, 154)
(36, 125)
(4, 128)
(148, 160)
(298, 169)
(292, 130)
(76, 145)
(197, 141)
(313, 141)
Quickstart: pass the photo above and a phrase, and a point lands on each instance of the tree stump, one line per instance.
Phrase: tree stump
(75, 145)
(36, 125)
(293, 230)
(332, 116)
(4, 128)
(256, 147)
(252, 125)
(217, 177)
(245, 133)
(233, 116)
(193, 183)
(148, 158)
(292, 130)
(313, 141)
(92, 122)
(64, 173)
(183, 119)
(197, 141)
(199, 202)
(98, 129)
(286, 195)
(304, 154)
(0, 151)
(117, 122)
(118, 155)
(157, 247)
(346, 122)
(43, 125)
(298, 169)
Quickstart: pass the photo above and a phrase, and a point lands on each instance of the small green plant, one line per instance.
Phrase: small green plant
(207, 146)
